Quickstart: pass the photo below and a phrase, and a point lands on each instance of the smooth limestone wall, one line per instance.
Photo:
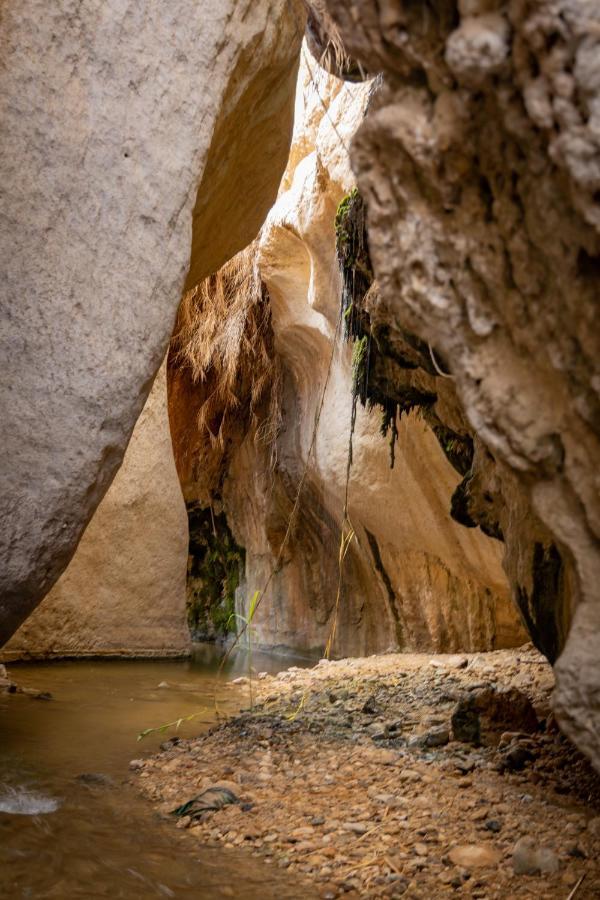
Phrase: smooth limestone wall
(123, 592)
(413, 578)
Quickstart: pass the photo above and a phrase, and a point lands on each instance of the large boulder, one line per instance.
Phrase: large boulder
(124, 591)
(480, 165)
(111, 114)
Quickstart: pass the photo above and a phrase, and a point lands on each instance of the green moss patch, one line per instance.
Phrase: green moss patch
(215, 567)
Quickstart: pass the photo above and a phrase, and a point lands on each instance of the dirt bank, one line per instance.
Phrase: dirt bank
(351, 774)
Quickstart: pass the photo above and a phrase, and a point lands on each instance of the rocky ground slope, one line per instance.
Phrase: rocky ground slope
(397, 775)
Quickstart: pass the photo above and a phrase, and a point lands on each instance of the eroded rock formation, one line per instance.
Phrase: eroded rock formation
(123, 593)
(120, 122)
(412, 577)
(480, 165)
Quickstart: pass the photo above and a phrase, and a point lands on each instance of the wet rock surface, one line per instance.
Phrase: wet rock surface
(349, 774)
(431, 584)
(8, 686)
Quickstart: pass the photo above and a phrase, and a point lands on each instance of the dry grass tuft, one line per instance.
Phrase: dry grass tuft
(224, 339)
(323, 32)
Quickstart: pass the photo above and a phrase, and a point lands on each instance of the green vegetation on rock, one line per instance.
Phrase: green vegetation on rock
(215, 566)
(353, 257)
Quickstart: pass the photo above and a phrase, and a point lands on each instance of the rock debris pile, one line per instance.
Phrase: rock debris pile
(398, 775)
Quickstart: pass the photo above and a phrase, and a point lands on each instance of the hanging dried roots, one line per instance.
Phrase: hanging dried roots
(224, 339)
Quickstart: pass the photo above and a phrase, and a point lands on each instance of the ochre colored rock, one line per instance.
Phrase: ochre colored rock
(413, 578)
(124, 590)
(474, 856)
(115, 117)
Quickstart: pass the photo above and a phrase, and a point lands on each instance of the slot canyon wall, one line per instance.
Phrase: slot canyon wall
(479, 163)
(413, 577)
(130, 134)
(123, 593)
(134, 137)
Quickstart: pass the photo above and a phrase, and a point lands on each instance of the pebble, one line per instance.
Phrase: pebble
(449, 662)
(437, 737)
(473, 856)
(529, 859)
(515, 759)
(356, 827)
(382, 757)
(593, 826)
(303, 832)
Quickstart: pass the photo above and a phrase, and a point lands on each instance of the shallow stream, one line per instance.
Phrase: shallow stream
(70, 825)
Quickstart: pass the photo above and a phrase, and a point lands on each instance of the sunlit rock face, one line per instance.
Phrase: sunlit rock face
(123, 593)
(412, 577)
(123, 123)
(480, 165)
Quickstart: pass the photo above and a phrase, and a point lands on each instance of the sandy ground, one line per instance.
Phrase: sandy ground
(349, 775)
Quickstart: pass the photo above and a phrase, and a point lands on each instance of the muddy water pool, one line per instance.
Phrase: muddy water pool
(70, 825)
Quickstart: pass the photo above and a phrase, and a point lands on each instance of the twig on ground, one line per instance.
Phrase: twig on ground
(577, 886)
(364, 865)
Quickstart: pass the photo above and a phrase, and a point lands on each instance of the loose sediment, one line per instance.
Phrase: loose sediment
(351, 774)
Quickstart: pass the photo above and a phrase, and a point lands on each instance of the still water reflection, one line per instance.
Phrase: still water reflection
(70, 827)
